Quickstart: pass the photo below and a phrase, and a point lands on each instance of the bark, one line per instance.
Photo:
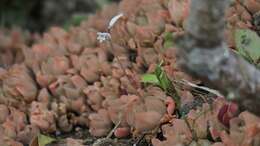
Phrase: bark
(203, 53)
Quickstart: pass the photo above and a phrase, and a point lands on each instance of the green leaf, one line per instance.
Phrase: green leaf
(43, 140)
(75, 20)
(150, 78)
(158, 78)
(164, 82)
(248, 45)
(161, 79)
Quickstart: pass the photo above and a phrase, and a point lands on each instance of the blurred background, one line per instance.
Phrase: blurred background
(38, 15)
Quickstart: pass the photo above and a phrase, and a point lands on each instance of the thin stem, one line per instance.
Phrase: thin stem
(115, 127)
(121, 65)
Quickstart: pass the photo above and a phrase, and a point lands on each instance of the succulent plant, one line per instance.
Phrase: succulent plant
(68, 78)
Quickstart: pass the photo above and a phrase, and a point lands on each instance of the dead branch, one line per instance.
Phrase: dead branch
(203, 53)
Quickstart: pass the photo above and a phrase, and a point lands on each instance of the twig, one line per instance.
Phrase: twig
(115, 127)
(139, 140)
(202, 88)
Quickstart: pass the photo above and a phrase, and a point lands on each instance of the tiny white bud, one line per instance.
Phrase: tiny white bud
(103, 36)
(114, 20)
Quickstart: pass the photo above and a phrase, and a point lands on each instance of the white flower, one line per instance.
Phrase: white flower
(114, 20)
(103, 36)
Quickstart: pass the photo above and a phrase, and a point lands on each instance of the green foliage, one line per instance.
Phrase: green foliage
(160, 78)
(43, 140)
(150, 79)
(164, 82)
(74, 21)
(248, 45)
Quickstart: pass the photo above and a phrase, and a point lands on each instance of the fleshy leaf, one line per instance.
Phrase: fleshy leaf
(248, 45)
(43, 140)
(150, 78)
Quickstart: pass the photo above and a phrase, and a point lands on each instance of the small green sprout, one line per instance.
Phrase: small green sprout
(160, 79)
(43, 140)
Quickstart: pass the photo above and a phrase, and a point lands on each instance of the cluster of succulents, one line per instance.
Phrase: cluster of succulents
(11, 43)
(69, 79)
